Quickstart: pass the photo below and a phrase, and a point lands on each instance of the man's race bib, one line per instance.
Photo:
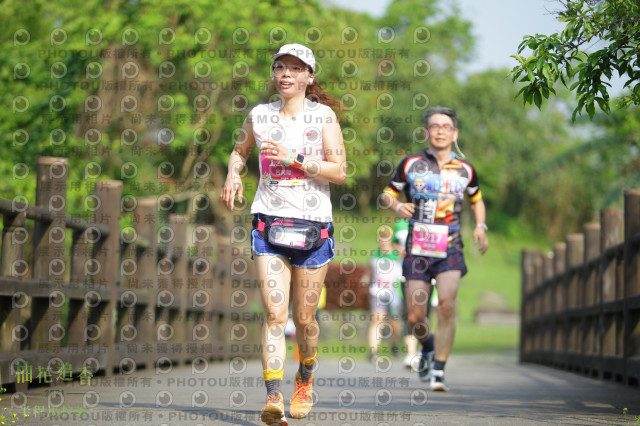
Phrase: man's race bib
(429, 240)
(276, 173)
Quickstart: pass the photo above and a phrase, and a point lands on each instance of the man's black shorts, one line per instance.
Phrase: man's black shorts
(425, 268)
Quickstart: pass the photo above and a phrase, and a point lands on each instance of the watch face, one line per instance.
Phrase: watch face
(299, 158)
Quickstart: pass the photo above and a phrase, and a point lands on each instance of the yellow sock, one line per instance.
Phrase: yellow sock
(273, 381)
(306, 368)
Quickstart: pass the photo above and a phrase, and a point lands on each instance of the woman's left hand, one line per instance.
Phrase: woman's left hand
(273, 151)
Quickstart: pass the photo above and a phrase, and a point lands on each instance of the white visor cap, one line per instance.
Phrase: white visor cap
(299, 51)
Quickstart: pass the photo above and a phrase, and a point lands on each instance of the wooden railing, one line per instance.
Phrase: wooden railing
(581, 302)
(108, 300)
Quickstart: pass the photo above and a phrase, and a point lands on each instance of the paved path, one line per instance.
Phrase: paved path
(485, 390)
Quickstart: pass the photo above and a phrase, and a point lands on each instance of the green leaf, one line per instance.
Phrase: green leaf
(524, 43)
(569, 70)
(567, 31)
(554, 63)
(604, 105)
(591, 109)
(546, 71)
(545, 91)
(573, 116)
(588, 30)
(532, 77)
(537, 98)
(519, 59)
(563, 82)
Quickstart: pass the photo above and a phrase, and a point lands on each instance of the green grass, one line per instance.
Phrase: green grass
(475, 338)
(471, 338)
(496, 272)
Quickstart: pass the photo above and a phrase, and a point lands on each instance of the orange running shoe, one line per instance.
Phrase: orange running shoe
(301, 401)
(273, 411)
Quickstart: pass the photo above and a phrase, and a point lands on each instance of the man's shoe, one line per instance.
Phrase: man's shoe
(412, 361)
(437, 381)
(424, 367)
(273, 411)
(302, 400)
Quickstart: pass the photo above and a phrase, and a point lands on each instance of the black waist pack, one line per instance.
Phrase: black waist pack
(292, 233)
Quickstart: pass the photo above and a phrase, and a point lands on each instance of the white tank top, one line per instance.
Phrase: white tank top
(286, 190)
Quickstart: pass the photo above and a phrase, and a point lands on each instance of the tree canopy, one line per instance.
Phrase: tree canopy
(600, 37)
(154, 93)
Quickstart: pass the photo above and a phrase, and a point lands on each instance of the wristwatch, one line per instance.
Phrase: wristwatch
(482, 225)
(298, 160)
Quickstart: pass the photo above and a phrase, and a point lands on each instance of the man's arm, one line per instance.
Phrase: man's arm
(404, 210)
(480, 233)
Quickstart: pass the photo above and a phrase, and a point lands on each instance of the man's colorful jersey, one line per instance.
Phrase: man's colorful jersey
(436, 194)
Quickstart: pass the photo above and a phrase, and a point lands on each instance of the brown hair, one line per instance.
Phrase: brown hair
(317, 93)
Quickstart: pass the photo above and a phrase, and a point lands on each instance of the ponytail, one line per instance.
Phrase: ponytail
(317, 93)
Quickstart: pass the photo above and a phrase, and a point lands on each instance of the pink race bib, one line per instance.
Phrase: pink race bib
(429, 240)
(276, 173)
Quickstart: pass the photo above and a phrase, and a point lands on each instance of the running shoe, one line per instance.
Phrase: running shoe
(412, 362)
(424, 367)
(302, 400)
(437, 381)
(273, 411)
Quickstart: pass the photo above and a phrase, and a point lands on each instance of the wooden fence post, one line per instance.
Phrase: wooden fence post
(203, 269)
(538, 279)
(48, 264)
(575, 257)
(225, 268)
(590, 300)
(591, 251)
(14, 236)
(631, 286)
(612, 222)
(547, 307)
(559, 298)
(180, 285)
(611, 323)
(528, 274)
(146, 216)
(106, 253)
(81, 268)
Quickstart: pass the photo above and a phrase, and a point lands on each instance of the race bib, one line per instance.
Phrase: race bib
(429, 240)
(276, 173)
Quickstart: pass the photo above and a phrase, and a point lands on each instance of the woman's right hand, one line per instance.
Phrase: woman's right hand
(232, 186)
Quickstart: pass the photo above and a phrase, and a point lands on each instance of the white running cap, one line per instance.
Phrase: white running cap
(299, 51)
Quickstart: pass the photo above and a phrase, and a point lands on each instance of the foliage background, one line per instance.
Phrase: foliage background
(152, 93)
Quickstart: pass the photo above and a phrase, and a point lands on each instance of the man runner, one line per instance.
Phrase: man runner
(434, 182)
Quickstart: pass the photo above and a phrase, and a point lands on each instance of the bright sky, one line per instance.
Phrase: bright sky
(498, 25)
